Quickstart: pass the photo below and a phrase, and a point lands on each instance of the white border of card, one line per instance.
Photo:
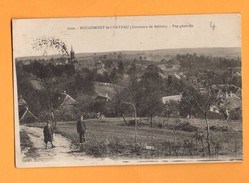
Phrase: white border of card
(140, 40)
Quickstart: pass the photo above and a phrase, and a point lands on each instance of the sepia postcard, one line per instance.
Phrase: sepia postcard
(127, 90)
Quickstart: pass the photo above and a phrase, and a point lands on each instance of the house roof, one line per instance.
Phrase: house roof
(176, 98)
(67, 99)
(22, 102)
(106, 97)
(24, 110)
(237, 74)
(103, 89)
(233, 102)
(36, 84)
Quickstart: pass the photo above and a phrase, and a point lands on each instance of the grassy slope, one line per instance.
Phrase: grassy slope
(111, 138)
(27, 147)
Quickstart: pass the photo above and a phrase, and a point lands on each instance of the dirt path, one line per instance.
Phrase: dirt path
(63, 151)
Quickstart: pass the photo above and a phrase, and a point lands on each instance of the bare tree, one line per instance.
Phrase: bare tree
(45, 44)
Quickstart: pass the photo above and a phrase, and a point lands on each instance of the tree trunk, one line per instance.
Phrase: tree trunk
(135, 125)
(203, 149)
(135, 115)
(124, 118)
(208, 134)
(235, 144)
(151, 122)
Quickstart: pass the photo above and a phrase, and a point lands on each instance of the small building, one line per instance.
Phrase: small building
(103, 98)
(67, 109)
(25, 115)
(176, 98)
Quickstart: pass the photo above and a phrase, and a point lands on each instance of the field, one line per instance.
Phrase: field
(168, 138)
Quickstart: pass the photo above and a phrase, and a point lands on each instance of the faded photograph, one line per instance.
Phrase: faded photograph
(127, 90)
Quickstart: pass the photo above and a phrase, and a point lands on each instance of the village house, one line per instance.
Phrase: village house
(25, 115)
(176, 98)
(103, 98)
(66, 109)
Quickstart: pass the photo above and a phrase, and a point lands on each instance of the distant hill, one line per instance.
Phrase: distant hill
(220, 51)
(156, 55)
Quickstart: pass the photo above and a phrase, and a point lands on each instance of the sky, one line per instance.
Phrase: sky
(129, 33)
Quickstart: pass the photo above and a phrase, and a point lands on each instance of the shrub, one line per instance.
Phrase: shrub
(116, 146)
(170, 148)
(160, 125)
(185, 126)
(137, 149)
(97, 149)
(189, 145)
(217, 145)
(236, 114)
(131, 122)
(220, 128)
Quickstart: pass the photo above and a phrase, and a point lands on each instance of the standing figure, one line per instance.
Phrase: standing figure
(81, 129)
(48, 134)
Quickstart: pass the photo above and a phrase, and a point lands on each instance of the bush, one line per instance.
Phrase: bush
(185, 126)
(217, 146)
(97, 149)
(111, 146)
(160, 125)
(189, 145)
(90, 115)
(170, 148)
(131, 122)
(220, 128)
(137, 149)
(115, 146)
(236, 114)
(43, 116)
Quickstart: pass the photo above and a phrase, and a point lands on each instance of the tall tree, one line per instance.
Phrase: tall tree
(198, 102)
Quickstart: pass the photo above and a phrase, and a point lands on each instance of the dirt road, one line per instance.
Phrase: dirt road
(63, 151)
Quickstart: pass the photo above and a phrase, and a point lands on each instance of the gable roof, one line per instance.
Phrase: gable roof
(22, 102)
(105, 97)
(176, 98)
(67, 100)
(233, 102)
(104, 89)
(24, 110)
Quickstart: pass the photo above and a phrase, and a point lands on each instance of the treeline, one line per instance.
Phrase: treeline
(193, 61)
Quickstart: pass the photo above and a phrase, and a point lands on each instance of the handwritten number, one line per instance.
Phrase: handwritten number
(212, 25)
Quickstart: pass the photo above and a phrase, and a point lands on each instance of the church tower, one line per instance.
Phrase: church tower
(72, 56)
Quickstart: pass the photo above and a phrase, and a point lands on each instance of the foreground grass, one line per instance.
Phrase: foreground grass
(112, 138)
(27, 147)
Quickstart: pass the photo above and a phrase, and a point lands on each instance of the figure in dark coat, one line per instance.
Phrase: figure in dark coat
(81, 129)
(48, 134)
